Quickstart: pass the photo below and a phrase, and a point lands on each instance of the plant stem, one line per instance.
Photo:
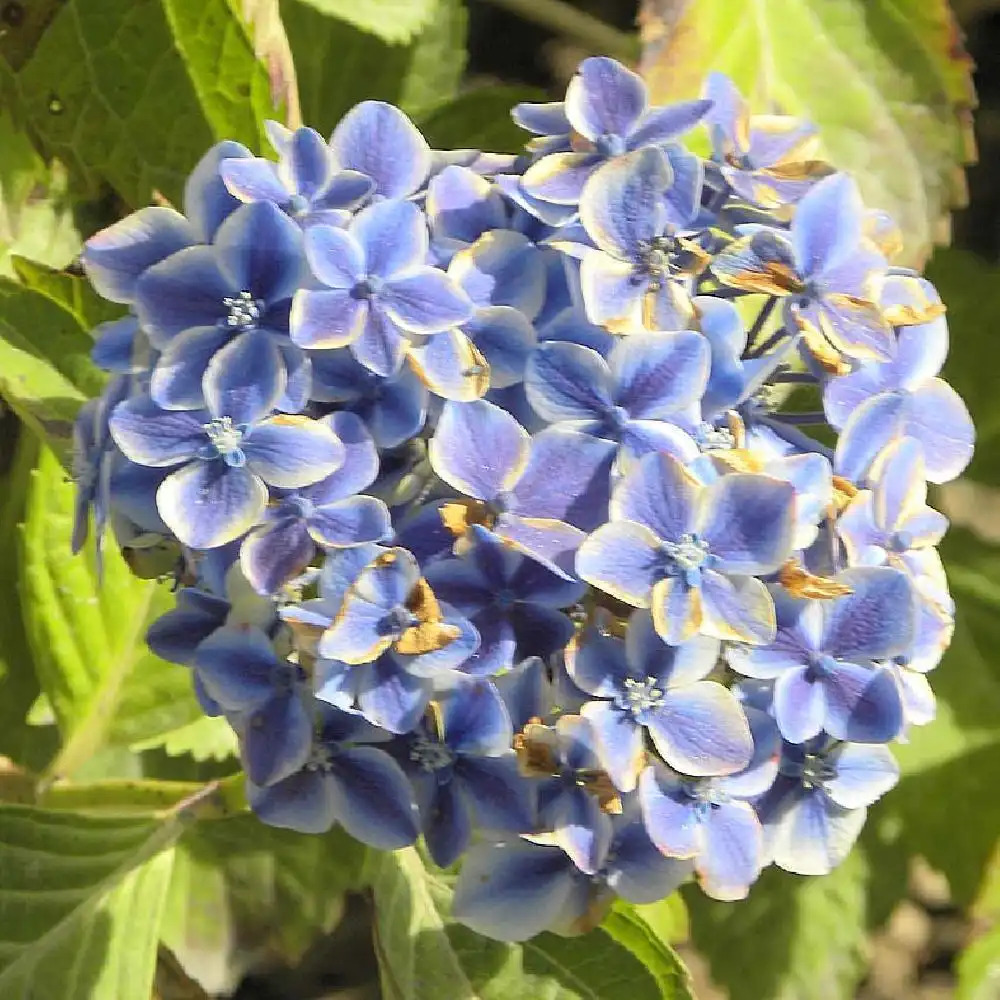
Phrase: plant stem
(589, 31)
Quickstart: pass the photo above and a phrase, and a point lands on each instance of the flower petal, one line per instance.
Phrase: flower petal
(700, 729)
(619, 742)
(862, 704)
(799, 705)
(206, 504)
(623, 559)
(245, 379)
(864, 774)
(176, 380)
(565, 381)
(275, 553)
(379, 140)
(660, 373)
(425, 300)
(876, 620)
(335, 256)
(478, 449)
(325, 319)
(392, 237)
(660, 494)
(733, 851)
(159, 438)
(350, 522)
(291, 451)
(604, 98)
(737, 607)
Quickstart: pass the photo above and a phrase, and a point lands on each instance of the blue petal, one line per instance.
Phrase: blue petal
(115, 257)
(277, 740)
(619, 742)
(623, 559)
(827, 227)
(501, 798)
(237, 666)
(747, 522)
(670, 814)
(799, 705)
(700, 729)
(475, 720)
(863, 774)
(737, 608)
(120, 346)
(306, 162)
(862, 704)
(245, 378)
(185, 290)
(447, 824)
(424, 300)
(259, 249)
(175, 636)
(672, 666)
(506, 339)
(207, 504)
(568, 382)
(176, 380)
(813, 835)
(733, 851)
(350, 522)
(660, 494)
(612, 294)
(876, 620)
(512, 891)
(382, 344)
(276, 553)
(326, 319)
(604, 98)
(560, 177)
(661, 124)
(392, 237)
(302, 802)
(150, 436)
(609, 200)
(253, 179)
(502, 268)
(478, 449)
(567, 477)
(658, 374)
(207, 203)
(379, 140)
(336, 257)
(462, 205)
(372, 798)
(389, 696)
(636, 869)
(940, 421)
(291, 451)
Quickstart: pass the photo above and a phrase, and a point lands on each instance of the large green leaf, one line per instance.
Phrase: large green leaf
(36, 218)
(479, 119)
(338, 64)
(241, 890)
(886, 81)
(424, 955)
(88, 633)
(391, 20)
(132, 92)
(45, 369)
(978, 968)
(80, 903)
(793, 938)
(18, 682)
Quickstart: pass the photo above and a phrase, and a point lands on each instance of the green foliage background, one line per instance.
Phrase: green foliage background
(125, 850)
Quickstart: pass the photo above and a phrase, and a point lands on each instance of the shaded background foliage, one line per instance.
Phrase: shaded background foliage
(147, 876)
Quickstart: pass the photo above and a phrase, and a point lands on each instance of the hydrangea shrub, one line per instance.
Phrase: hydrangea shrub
(567, 510)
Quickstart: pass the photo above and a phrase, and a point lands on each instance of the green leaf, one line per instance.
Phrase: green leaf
(424, 955)
(240, 888)
(133, 92)
(45, 369)
(479, 119)
(207, 738)
(886, 81)
(390, 20)
(36, 218)
(18, 683)
(88, 635)
(970, 288)
(978, 968)
(338, 64)
(80, 903)
(792, 938)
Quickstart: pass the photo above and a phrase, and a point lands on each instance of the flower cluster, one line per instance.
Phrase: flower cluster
(567, 509)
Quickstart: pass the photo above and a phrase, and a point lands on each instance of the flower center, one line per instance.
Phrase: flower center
(654, 258)
(367, 287)
(900, 541)
(299, 506)
(244, 311)
(639, 696)
(609, 144)
(815, 771)
(821, 665)
(298, 204)
(227, 439)
(686, 558)
(431, 755)
(711, 438)
(397, 621)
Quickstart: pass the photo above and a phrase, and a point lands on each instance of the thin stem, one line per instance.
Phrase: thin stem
(766, 345)
(591, 32)
(800, 419)
(762, 317)
(798, 378)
